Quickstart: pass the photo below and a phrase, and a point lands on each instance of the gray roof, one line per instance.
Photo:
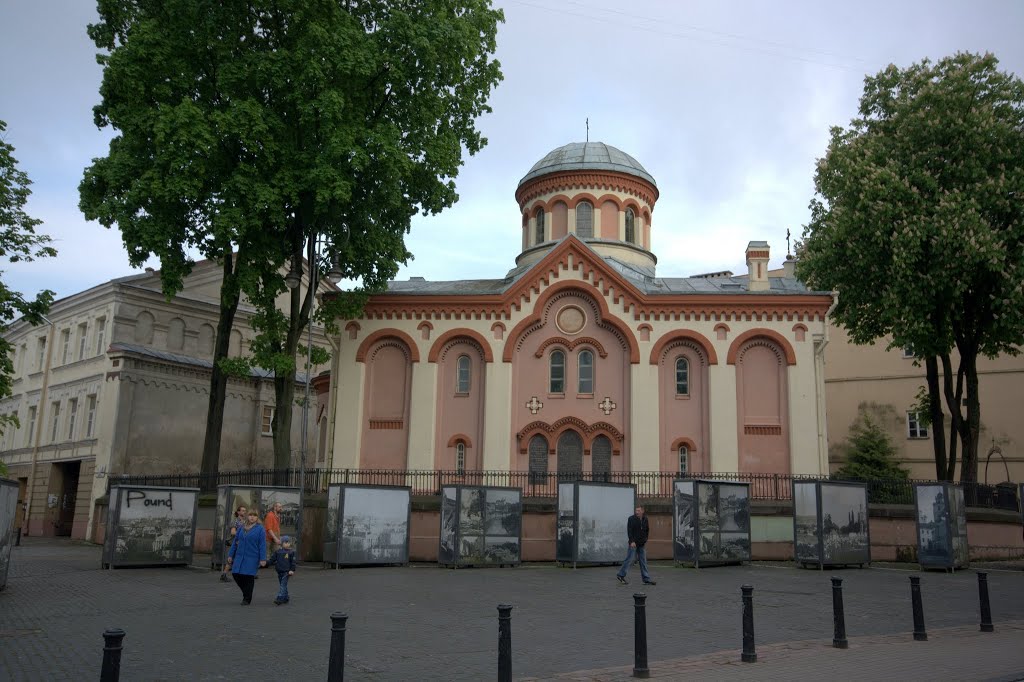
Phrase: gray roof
(587, 156)
(145, 351)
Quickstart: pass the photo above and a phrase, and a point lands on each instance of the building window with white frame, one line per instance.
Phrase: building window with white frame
(915, 429)
(31, 426)
(54, 421)
(538, 237)
(41, 346)
(72, 416)
(462, 371)
(65, 344)
(556, 372)
(584, 220)
(90, 416)
(101, 335)
(630, 226)
(267, 423)
(460, 458)
(682, 376)
(684, 459)
(908, 351)
(83, 339)
(585, 368)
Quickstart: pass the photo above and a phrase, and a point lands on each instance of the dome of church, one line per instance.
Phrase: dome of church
(587, 156)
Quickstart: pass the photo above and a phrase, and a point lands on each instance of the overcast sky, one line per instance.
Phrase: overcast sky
(726, 104)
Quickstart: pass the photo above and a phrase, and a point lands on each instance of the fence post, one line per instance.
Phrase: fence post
(986, 610)
(838, 618)
(336, 664)
(111, 670)
(504, 643)
(640, 668)
(915, 597)
(749, 654)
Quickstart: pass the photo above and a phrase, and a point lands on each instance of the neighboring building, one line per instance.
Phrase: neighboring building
(886, 383)
(117, 383)
(581, 358)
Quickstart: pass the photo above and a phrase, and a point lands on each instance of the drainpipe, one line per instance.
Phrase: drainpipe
(40, 423)
(819, 370)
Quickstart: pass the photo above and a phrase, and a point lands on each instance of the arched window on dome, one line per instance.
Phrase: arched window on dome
(539, 234)
(630, 226)
(584, 220)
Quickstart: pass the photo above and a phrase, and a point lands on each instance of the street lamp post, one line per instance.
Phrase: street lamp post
(292, 280)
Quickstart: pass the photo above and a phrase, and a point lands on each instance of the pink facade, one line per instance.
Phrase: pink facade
(386, 404)
(460, 406)
(762, 400)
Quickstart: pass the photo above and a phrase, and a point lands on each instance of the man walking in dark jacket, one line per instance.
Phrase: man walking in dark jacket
(638, 529)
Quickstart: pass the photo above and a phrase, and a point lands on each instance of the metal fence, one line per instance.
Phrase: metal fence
(649, 484)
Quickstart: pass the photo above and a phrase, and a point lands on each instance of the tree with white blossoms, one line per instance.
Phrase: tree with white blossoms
(918, 223)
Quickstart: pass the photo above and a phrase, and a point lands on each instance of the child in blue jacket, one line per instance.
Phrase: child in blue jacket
(284, 561)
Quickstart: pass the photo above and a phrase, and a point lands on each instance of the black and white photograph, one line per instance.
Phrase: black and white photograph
(934, 544)
(503, 512)
(565, 544)
(734, 547)
(603, 513)
(958, 521)
(844, 524)
(471, 512)
(374, 526)
(685, 508)
(332, 515)
(805, 522)
(447, 550)
(707, 518)
(501, 550)
(733, 508)
(289, 515)
(471, 549)
(152, 526)
(8, 510)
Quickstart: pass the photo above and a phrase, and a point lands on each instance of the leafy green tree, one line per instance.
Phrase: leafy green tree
(248, 129)
(918, 222)
(18, 242)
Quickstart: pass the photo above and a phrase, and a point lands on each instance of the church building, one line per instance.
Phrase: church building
(582, 359)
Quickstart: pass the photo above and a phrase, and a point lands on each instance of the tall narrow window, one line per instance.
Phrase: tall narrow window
(586, 372)
(101, 335)
(682, 377)
(72, 416)
(463, 374)
(65, 342)
(54, 421)
(83, 339)
(556, 384)
(630, 226)
(42, 354)
(539, 230)
(684, 459)
(21, 358)
(460, 458)
(90, 416)
(31, 426)
(584, 220)
(267, 423)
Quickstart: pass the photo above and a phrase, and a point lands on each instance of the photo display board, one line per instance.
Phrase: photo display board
(8, 513)
(367, 525)
(480, 526)
(258, 497)
(150, 526)
(592, 521)
(830, 523)
(711, 522)
(941, 526)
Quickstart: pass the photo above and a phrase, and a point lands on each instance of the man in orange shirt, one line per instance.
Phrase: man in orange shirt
(273, 525)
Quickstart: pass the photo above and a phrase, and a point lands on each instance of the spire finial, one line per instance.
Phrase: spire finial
(787, 243)
(588, 129)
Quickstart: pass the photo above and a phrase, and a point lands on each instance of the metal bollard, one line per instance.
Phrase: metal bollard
(986, 610)
(915, 597)
(749, 654)
(111, 670)
(640, 668)
(336, 664)
(838, 618)
(504, 643)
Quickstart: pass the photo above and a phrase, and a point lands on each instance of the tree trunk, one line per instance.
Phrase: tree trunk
(972, 432)
(229, 292)
(284, 396)
(931, 364)
(953, 401)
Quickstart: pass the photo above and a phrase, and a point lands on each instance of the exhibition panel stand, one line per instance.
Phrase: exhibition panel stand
(480, 526)
(262, 498)
(830, 523)
(367, 525)
(711, 522)
(941, 526)
(8, 512)
(150, 526)
(591, 525)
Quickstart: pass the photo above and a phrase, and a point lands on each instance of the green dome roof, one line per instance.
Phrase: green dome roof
(587, 156)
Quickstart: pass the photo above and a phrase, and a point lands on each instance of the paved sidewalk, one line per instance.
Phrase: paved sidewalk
(427, 623)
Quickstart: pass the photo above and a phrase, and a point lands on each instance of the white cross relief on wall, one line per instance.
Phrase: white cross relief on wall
(607, 405)
(534, 405)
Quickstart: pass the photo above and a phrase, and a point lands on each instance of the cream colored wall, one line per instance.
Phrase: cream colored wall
(871, 374)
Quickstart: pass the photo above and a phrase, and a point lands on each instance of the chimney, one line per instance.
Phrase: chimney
(789, 267)
(757, 266)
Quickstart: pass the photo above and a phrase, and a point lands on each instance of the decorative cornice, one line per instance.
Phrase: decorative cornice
(595, 179)
(387, 424)
(762, 430)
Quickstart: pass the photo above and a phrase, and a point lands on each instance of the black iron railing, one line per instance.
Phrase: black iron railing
(649, 484)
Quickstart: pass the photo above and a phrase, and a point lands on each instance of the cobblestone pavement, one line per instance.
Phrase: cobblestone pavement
(426, 623)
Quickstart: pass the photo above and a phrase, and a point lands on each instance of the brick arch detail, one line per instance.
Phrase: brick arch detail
(684, 335)
(454, 440)
(577, 199)
(353, 329)
(571, 345)
(683, 441)
(606, 318)
(777, 338)
(380, 334)
(452, 334)
(554, 431)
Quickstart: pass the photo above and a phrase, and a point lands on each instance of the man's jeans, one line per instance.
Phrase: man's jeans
(639, 553)
(282, 594)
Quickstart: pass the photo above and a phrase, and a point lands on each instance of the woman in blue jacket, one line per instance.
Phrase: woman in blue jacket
(248, 554)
